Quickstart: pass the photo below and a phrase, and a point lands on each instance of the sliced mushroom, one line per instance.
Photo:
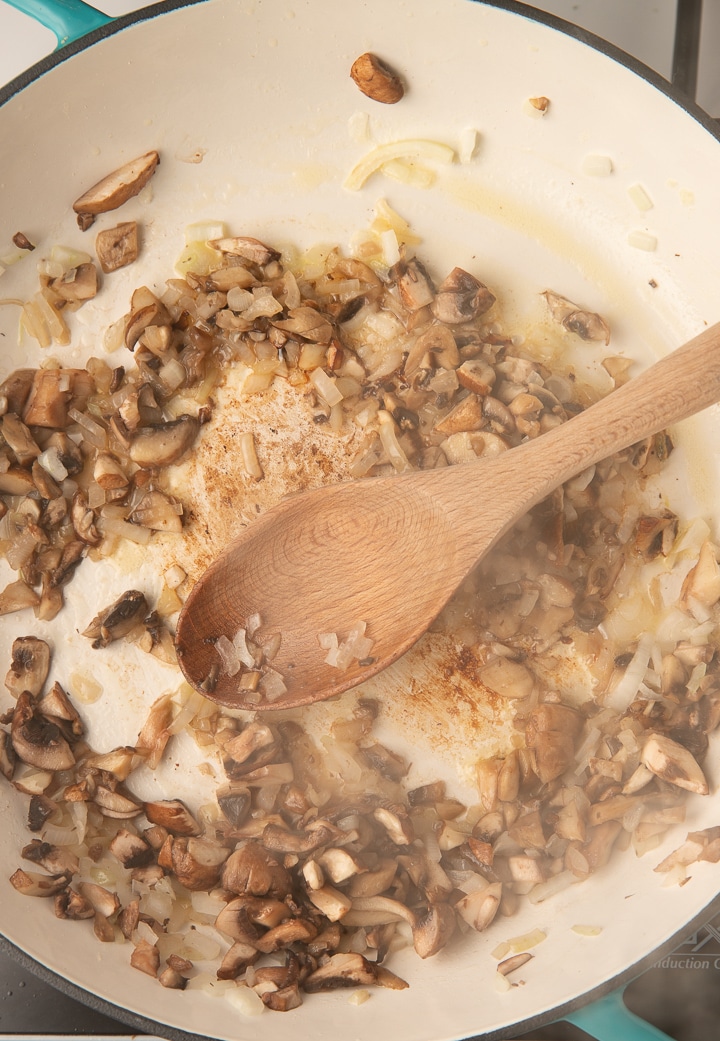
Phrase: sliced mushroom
(284, 999)
(551, 733)
(15, 389)
(155, 734)
(36, 740)
(118, 619)
(116, 804)
(161, 444)
(158, 512)
(117, 247)
(116, 188)
(461, 297)
(295, 930)
(30, 666)
(7, 756)
(341, 970)
(236, 960)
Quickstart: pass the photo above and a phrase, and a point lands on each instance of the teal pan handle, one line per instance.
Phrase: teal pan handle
(609, 1019)
(68, 19)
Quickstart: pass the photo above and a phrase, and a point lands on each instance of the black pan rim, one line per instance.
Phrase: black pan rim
(712, 126)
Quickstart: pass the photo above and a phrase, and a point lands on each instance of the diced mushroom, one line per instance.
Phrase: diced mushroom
(78, 284)
(468, 414)
(36, 740)
(7, 756)
(702, 583)
(131, 850)
(307, 323)
(116, 188)
(246, 247)
(673, 763)
(117, 247)
(414, 284)
(71, 904)
(154, 735)
(434, 930)
(243, 918)
(146, 958)
(252, 870)
(586, 324)
(284, 999)
(57, 705)
(83, 520)
(118, 619)
(461, 297)
(49, 399)
(172, 979)
(197, 863)
(173, 815)
(333, 904)
(295, 930)
(397, 825)
(31, 883)
(161, 444)
(477, 375)
(551, 733)
(30, 666)
(54, 859)
(376, 79)
(234, 801)
(479, 908)
(19, 439)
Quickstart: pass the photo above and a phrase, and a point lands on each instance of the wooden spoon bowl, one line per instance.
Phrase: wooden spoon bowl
(391, 551)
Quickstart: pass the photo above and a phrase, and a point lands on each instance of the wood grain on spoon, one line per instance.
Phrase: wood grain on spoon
(391, 551)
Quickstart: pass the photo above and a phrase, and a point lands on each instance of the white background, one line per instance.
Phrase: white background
(643, 28)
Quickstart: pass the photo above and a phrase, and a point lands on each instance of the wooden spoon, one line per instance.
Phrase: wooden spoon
(391, 551)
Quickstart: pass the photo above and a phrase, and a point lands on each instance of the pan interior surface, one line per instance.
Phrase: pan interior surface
(258, 125)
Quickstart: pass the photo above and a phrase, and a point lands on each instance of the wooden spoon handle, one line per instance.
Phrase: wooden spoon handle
(678, 386)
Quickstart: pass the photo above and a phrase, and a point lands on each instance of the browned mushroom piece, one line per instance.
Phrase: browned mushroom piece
(236, 960)
(83, 519)
(118, 619)
(71, 904)
(294, 930)
(16, 596)
(307, 323)
(172, 979)
(341, 970)
(246, 247)
(31, 883)
(117, 247)
(78, 284)
(173, 815)
(36, 739)
(116, 804)
(376, 79)
(158, 512)
(131, 850)
(146, 958)
(116, 188)
(434, 929)
(161, 444)
(551, 733)
(29, 667)
(234, 801)
(251, 869)
(19, 439)
(8, 758)
(284, 999)
(54, 859)
(460, 298)
(413, 283)
(197, 863)
(588, 325)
